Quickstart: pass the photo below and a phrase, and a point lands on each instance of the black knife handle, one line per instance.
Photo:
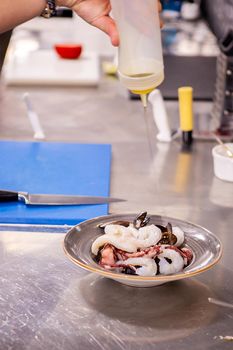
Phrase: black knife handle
(8, 196)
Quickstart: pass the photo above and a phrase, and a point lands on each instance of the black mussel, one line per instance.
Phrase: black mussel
(169, 231)
(172, 237)
(141, 220)
(167, 236)
(162, 228)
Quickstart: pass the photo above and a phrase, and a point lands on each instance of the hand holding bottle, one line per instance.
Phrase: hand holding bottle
(97, 13)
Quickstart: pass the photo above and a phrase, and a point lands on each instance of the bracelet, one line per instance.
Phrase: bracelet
(50, 9)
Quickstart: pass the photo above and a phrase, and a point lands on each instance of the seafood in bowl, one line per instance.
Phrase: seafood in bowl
(205, 247)
(141, 249)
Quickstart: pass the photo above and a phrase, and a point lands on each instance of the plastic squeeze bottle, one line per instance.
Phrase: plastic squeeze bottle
(140, 59)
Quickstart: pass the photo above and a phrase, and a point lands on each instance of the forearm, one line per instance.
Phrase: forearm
(14, 12)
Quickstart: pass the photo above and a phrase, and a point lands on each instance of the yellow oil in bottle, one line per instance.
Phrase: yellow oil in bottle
(143, 93)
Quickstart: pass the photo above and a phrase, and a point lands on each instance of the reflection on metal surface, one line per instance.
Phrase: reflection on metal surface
(164, 313)
(13, 246)
(182, 173)
(48, 303)
(149, 137)
(221, 193)
(159, 161)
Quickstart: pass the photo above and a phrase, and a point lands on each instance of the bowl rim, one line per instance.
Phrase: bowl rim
(157, 278)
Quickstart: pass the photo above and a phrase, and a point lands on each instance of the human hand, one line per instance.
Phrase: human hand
(97, 13)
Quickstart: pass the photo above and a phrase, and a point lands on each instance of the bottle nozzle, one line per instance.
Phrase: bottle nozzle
(143, 94)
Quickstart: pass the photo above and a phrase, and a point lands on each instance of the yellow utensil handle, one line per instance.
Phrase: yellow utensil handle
(186, 108)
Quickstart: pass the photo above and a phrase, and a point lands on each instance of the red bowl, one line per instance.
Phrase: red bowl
(70, 51)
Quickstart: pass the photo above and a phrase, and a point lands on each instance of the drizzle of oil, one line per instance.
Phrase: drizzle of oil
(148, 134)
(145, 114)
(144, 100)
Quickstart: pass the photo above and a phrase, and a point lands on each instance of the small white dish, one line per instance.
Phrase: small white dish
(206, 248)
(223, 164)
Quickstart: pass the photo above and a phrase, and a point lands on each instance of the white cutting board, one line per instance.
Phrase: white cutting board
(45, 67)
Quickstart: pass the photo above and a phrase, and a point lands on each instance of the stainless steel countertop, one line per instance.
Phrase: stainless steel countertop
(47, 302)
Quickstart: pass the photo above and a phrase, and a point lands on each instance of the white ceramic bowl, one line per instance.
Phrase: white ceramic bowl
(223, 164)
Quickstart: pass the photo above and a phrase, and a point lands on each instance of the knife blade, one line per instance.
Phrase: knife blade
(53, 199)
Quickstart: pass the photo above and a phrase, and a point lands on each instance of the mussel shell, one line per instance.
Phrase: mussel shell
(167, 236)
(167, 239)
(162, 228)
(141, 220)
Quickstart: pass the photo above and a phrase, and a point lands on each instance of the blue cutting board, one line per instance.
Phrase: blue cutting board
(54, 168)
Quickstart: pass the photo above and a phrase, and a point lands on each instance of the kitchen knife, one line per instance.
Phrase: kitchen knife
(53, 199)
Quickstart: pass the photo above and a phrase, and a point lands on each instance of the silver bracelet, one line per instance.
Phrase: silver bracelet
(50, 9)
